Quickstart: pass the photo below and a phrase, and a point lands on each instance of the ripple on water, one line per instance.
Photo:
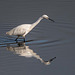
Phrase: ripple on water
(39, 42)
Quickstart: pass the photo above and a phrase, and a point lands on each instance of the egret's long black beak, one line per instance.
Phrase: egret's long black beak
(51, 20)
(52, 59)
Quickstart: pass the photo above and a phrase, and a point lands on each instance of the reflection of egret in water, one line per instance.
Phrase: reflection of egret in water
(25, 51)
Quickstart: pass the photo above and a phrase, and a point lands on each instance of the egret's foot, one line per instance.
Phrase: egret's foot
(24, 40)
(16, 39)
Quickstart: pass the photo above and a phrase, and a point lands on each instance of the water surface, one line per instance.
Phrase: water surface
(47, 39)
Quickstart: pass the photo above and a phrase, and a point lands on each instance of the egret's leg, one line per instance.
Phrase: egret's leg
(24, 39)
(16, 38)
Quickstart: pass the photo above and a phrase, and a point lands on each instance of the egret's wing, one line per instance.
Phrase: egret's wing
(19, 31)
(11, 32)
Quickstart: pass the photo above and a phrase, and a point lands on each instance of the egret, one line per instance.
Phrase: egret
(24, 29)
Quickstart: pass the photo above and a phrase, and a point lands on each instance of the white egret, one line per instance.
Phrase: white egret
(24, 29)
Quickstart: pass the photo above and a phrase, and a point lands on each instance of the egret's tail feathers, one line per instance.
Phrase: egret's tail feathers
(49, 62)
(8, 33)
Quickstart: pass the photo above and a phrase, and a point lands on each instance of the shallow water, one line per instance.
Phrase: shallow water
(46, 40)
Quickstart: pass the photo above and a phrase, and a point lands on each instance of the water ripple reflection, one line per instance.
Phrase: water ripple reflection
(25, 51)
(39, 42)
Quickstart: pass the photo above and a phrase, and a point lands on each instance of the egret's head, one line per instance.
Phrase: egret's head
(46, 17)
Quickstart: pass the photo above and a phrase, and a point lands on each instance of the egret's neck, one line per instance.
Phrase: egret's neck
(35, 23)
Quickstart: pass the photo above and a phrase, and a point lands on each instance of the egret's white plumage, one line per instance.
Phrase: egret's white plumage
(24, 29)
